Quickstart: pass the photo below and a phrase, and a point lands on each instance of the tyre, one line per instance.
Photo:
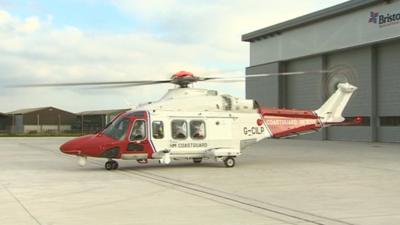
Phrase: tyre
(108, 165)
(229, 162)
(197, 160)
(114, 165)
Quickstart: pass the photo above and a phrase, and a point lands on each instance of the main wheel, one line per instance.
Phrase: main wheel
(111, 165)
(197, 160)
(229, 162)
(108, 165)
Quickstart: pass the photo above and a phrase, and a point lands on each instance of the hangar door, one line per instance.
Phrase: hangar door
(388, 68)
(265, 90)
(304, 91)
(355, 64)
(19, 124)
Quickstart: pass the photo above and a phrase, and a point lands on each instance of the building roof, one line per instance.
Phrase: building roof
(309, 18)
(102, 112)
(29, 110)
(3, 114)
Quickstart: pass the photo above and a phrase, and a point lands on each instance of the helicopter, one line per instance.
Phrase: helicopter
(198, 124)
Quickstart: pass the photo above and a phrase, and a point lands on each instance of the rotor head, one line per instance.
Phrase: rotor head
(183, 79)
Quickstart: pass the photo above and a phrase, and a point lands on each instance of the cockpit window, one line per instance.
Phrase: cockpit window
(117, 129)
(113, 119)
(138, 131)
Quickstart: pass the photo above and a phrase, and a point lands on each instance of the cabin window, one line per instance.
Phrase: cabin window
(138, 131)
(179, 129)
(197, 129)
(158, 129)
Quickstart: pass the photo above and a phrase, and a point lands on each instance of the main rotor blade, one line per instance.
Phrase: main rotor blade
(237, 80)
(129, 85)
(123, 84)
(266, 75)
(132, 83)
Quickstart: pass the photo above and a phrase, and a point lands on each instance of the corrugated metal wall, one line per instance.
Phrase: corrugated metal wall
(371, 50)
(359, 60)
(19, 124)
(304, 91)
(49, 116)
(376, 71)
(265, 90)
(388, 68)
(5, 123)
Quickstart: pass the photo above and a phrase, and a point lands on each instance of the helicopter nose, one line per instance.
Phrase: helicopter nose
(74, 146)
(69, 148)
(89, 145)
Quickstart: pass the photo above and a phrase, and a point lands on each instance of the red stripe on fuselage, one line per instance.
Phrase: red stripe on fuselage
(287, 122)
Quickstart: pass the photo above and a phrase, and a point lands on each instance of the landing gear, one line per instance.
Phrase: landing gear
(229, 162)
(197, 160)
(111, 165)
(142, 161)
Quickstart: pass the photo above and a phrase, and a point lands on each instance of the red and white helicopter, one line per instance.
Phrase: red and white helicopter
(196, 124)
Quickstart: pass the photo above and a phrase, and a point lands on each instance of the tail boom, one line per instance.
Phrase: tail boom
(291, 122)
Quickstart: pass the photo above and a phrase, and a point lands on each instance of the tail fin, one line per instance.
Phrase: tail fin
(331, 110)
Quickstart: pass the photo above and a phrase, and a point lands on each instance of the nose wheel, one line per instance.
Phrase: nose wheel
(111, 165)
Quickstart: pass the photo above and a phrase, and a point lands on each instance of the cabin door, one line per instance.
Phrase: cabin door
(138, 140)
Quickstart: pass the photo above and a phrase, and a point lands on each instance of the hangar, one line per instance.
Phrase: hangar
(41, 120)
(357, 41)
(93, 121)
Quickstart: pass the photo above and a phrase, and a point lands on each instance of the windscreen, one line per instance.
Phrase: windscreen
(117, 129)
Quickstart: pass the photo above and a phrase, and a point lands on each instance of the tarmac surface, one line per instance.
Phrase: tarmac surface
(274, 182)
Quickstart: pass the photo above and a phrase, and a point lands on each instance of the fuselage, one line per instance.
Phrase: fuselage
(150, 135)
(190, 123)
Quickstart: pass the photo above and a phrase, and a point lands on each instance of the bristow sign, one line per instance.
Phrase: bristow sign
(384, 20)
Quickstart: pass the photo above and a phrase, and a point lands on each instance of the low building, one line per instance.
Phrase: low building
(5, 123)
(92, 121)
(41, 120)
